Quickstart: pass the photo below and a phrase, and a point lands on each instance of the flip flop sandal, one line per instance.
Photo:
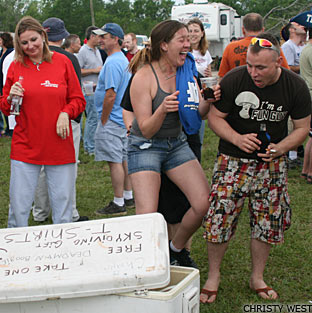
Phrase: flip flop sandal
(209, 293)
(304, 176)
(266, 291)
(309, 179)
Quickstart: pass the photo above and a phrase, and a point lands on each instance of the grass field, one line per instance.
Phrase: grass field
(289, 268)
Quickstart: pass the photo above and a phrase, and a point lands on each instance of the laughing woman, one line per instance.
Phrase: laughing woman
(42, 135)
(156, 141)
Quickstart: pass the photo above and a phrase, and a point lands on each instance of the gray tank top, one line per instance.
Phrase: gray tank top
(171, 126)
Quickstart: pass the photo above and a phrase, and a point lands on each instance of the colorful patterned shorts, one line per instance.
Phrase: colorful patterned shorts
(265, 184)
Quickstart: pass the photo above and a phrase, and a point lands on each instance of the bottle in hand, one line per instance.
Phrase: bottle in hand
(264, 137)
(16, 101)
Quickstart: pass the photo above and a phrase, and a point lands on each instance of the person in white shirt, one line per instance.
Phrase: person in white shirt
(199, 47)
(293, 47)
(5, 66)
(203, 60)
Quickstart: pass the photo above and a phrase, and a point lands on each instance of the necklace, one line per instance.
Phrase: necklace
(163, 72)
(37, 64)
(168, 77)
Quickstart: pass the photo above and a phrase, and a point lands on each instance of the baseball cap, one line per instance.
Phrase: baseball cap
(55, 29)
(111, 28)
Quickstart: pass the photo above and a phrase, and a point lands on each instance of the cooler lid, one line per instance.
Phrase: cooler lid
(96, 257)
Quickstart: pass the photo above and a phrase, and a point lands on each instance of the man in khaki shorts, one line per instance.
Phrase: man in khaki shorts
(111, 134)
(262, 92)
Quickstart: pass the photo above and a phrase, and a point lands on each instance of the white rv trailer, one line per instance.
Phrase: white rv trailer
(221, 22)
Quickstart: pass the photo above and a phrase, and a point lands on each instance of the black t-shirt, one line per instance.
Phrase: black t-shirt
(249, 106)
(103, 55)
(126, 101)
(72, 58)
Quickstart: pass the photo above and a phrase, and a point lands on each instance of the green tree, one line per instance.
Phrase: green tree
(115, 11)
(34, 10)
(75, 13)
(147, 13)
(138, 16)
(275, 13)
(10, 13)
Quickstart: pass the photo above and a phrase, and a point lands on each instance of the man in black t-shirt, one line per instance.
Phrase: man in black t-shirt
(259, 93)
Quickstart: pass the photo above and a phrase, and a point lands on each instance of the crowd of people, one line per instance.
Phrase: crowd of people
(145, 119)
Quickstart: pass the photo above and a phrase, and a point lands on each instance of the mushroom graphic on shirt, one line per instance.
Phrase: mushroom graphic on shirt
(247, 100)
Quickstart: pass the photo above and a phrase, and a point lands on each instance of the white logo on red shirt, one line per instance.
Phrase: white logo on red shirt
(47, 83)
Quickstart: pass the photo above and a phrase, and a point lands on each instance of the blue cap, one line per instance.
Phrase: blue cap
(111, 28)
(55, 29)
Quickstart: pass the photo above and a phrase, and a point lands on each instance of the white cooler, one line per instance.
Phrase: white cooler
(112, 265)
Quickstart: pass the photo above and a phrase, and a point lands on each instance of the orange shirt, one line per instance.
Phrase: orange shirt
(235, 55)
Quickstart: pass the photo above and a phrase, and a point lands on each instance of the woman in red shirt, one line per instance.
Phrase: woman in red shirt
(42, 135)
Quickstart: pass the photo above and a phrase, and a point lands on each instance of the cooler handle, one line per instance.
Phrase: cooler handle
(191, 301)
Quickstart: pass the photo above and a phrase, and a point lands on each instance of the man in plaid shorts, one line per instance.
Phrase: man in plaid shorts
(263, 95)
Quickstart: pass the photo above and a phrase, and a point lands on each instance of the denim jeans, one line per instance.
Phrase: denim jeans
(1, 122)
(202, 133)
(90, 125)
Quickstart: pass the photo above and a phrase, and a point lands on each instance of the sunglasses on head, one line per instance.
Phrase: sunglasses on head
(263, 43)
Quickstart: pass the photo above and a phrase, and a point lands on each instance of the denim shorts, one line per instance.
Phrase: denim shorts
(157, 154)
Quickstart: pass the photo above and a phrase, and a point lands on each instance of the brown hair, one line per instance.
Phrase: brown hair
(7, 40)
(133, 36)
(163, 32)
(89, 31)
(253, 22)
(203, 44)
(72, 38)
(29, 23)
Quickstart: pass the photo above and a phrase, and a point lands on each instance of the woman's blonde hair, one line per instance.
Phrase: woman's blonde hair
(29, 23)
(203, 44)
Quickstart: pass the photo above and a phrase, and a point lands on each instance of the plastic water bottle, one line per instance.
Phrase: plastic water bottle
(16, 101)
(264, 137)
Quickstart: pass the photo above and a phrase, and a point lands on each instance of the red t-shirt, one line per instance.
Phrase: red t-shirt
(235, 55)
(129, 56)
(49, 91)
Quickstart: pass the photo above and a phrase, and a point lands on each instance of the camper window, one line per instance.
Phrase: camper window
(223, 19)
